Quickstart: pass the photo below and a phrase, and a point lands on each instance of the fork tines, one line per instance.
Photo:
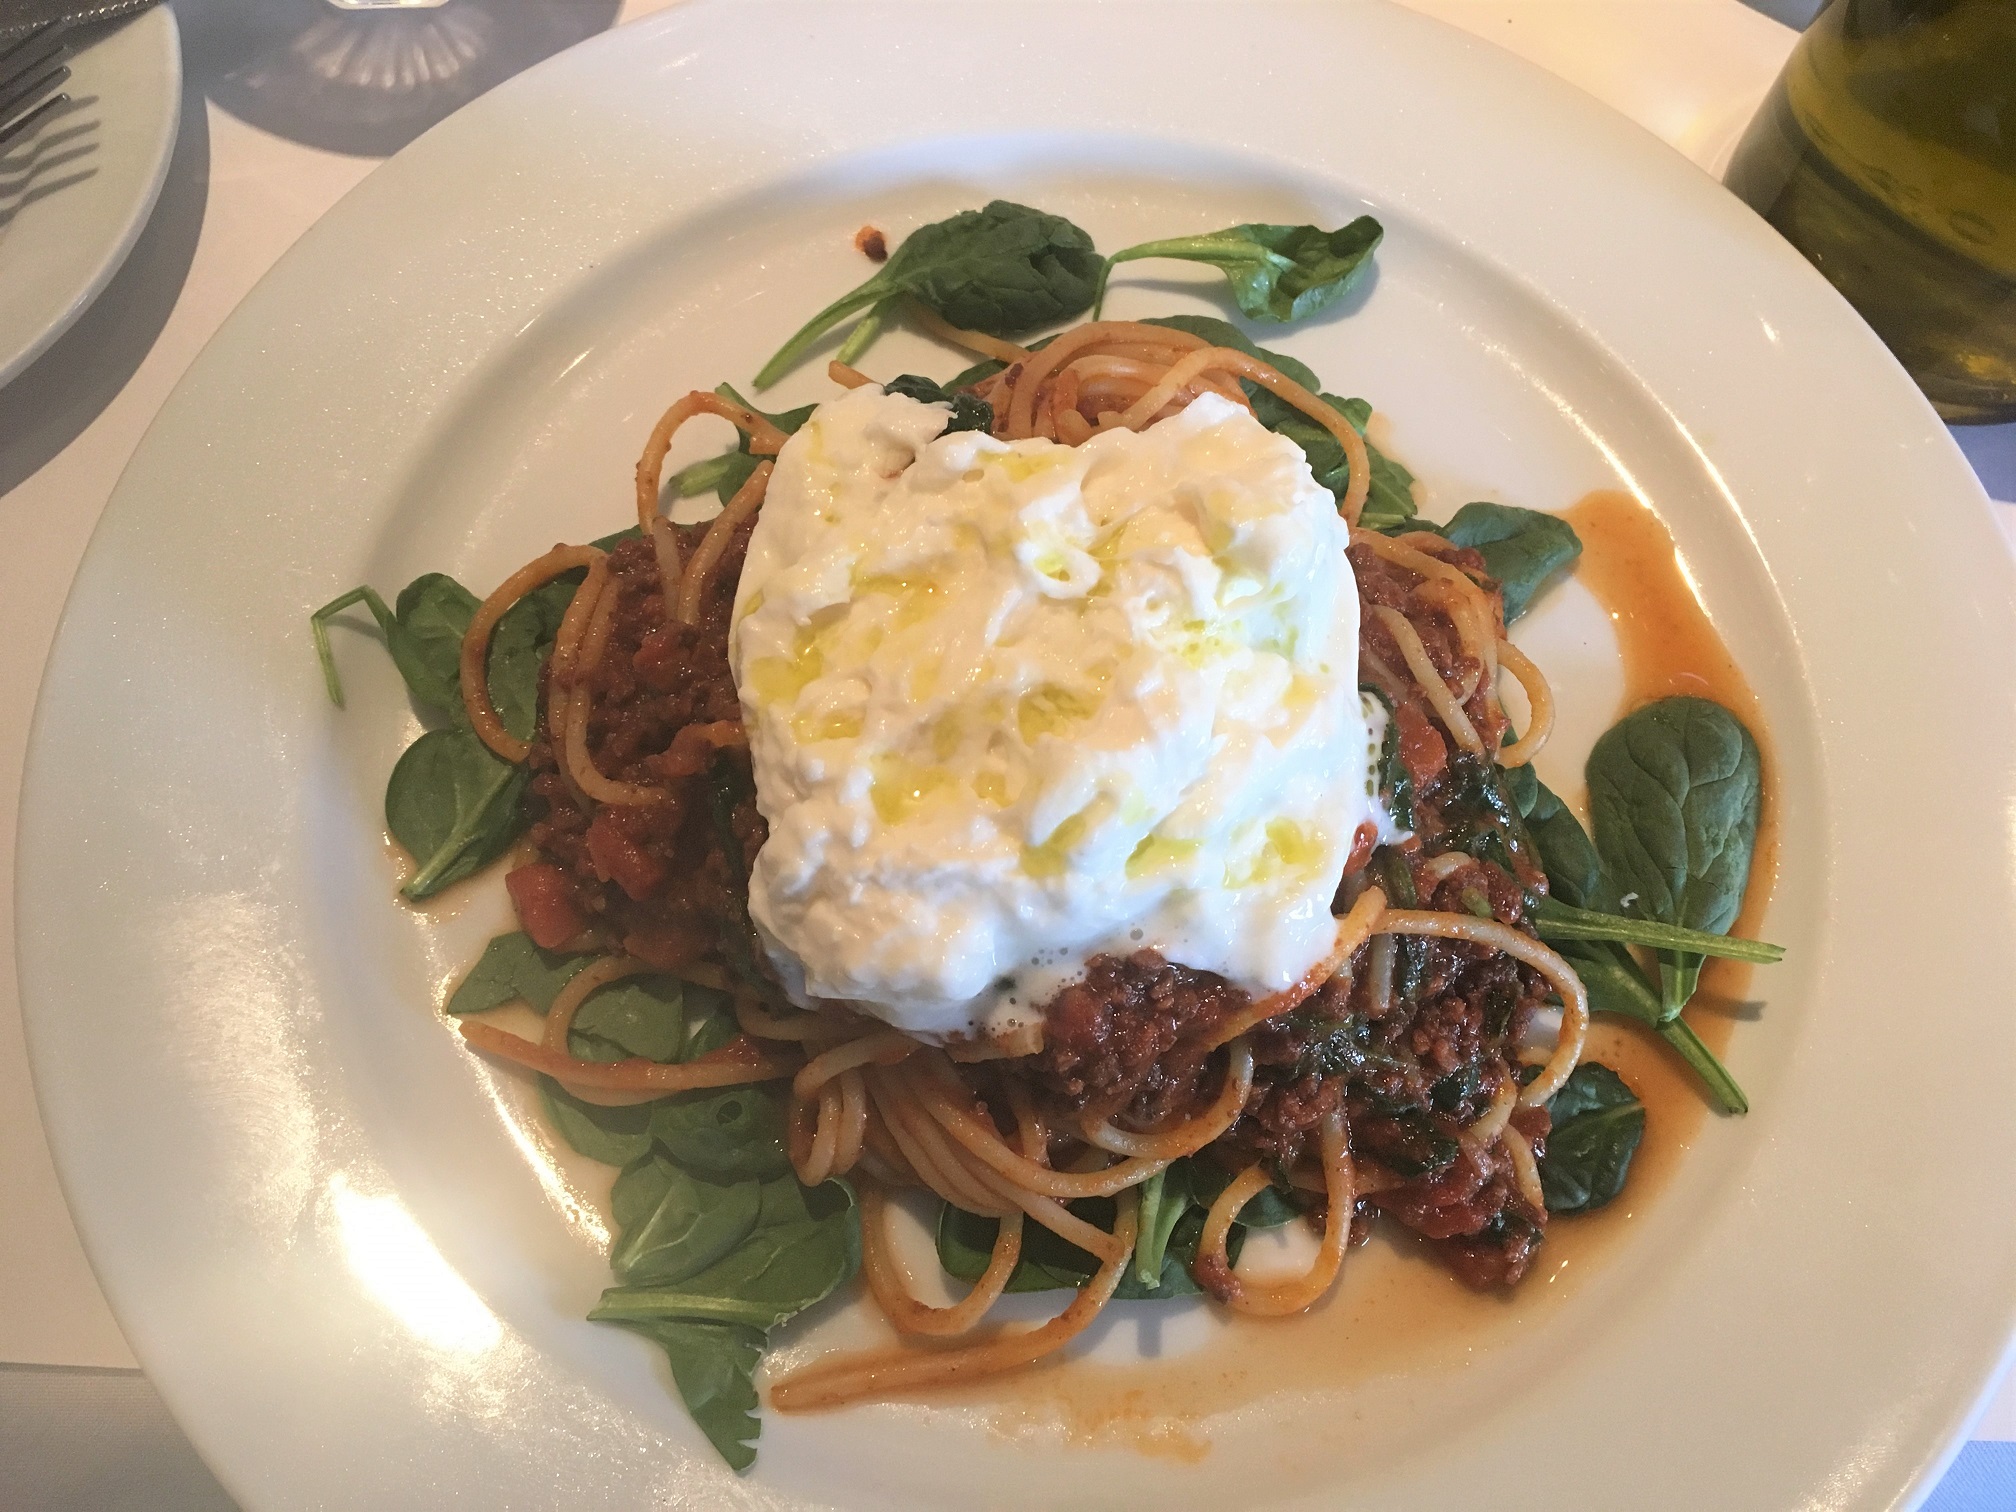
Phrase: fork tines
(31, 66)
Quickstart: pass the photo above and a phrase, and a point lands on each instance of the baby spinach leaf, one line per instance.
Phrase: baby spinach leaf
(1278, 273)
(1223, 333)
(1048, 1263)
(1574, 871)
(614, 1136)
(726, 473)
(1558, 921)
(1164, 1198)
(454, 805)
(1675, 791)
(519, 647)
(1267, 1208)
(1522, 548)
(1004, 269)
(714, 1367)
(1597, 1123)
(513, 969)
(674, 1225)
(733, 1134)
(776, 1273)
(1391, 500)
(638, 1016)
(969, 411)
(423, 633)
(1611, 977)
(433, 613)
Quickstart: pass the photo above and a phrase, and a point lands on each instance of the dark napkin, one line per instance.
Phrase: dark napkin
(18, 16)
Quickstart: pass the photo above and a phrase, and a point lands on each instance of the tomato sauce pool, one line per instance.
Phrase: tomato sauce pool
(1396, 1312)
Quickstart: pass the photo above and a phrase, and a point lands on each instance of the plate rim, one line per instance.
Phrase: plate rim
(45, 1059)
(155, 26)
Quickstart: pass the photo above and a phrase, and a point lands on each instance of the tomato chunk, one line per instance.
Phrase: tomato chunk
(545, 904)
(1423, 751)
(620, 859)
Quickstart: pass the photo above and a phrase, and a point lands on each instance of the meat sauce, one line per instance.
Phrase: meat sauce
(1131, 1039)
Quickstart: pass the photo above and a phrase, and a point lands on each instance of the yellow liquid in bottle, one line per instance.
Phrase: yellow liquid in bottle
(1886, 153)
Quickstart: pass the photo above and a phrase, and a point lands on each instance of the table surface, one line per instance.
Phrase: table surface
(79, 1426)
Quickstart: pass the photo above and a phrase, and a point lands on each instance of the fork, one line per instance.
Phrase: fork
(31, 66)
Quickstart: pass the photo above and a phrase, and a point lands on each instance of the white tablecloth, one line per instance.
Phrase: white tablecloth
(79, 1426)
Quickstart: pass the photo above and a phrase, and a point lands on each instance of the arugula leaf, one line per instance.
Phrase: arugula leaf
(674, 1225)
(1390, 503)
(638, 1016)
(731, 1134)
(1522, 548)
(1164, 1200)
(1675, 792)
(1005, 269)
(1278, 273)
(513, 969)
(714, 1367)
(613, 1135)
(781, 1269)
(969, 411)
(454, 805)
(1597, 1123)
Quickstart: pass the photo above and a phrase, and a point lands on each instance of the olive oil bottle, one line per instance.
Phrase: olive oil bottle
(1886, 152)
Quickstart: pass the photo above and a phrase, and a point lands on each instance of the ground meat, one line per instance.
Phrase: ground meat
(1131, 1040)
(1108, 1039)
(652, 878)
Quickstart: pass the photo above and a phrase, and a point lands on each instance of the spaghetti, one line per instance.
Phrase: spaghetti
(1389, 1079)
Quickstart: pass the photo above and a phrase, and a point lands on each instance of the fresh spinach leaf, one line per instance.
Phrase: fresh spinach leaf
(724, 474)
(776, 1273)
(675, 1225)
(1522, 548)
(433, 613)
(615, 1136)
(1675, 792)
(1554, 922)
(1048, 1263)
(1278, 273)
(1165, 1198)
(454, 805)
(423, 633)
(513, 969)
(969, 411)
(733, 1134)
(1004, 269)
(1597, 1123)
(1267, 1208)
(643, 1016)
(1611, 977)
(519, 647)
(714, 1367)
(1574, 871)
(1390, 503)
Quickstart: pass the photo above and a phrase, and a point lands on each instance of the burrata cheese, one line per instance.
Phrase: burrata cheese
(1015, 704)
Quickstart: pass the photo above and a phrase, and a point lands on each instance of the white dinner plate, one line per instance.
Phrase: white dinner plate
(75, 191)
(344, 1248)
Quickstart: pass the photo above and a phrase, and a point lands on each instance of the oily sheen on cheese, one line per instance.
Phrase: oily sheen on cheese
(1014, 704)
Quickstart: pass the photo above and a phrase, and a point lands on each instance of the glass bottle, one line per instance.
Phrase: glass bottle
(1886, 153)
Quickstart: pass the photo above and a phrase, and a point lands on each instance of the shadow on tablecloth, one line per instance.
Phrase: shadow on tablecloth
(96, 1441)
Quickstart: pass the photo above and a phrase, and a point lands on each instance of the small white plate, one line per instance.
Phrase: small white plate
(344, 1249)
(76, 190)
